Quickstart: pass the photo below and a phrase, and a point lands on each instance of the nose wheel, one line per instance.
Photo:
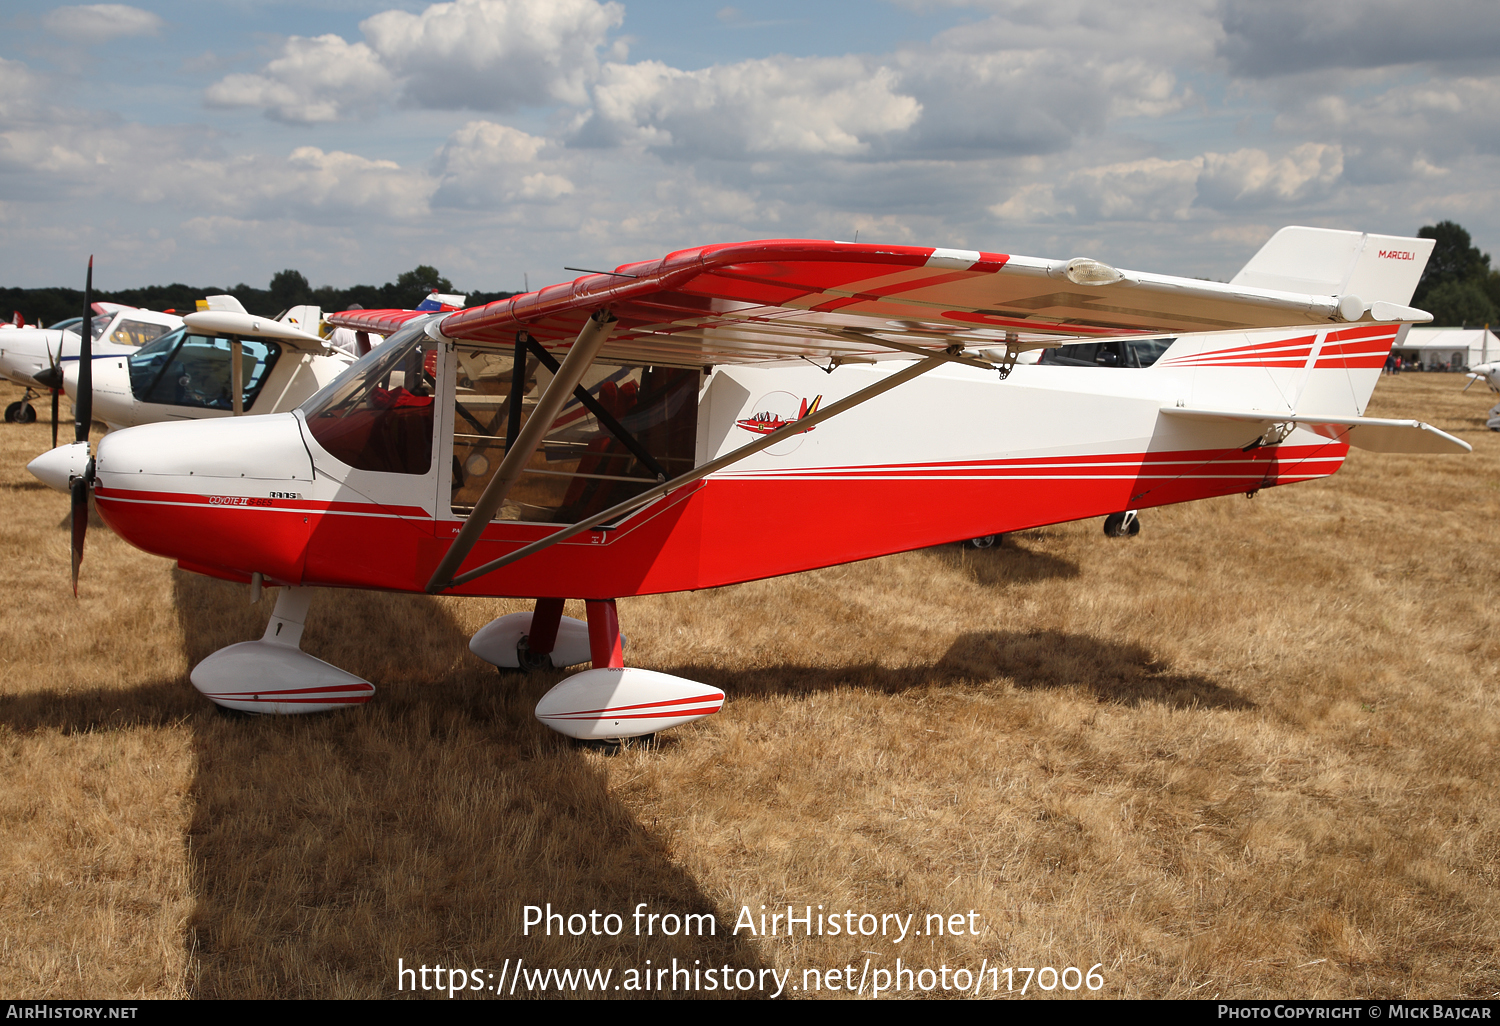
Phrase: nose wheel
(20, 412)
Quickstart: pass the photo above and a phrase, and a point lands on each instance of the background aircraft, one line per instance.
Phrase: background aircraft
(1489, 373)
(26, 353)
(581, 441)
(191, 373)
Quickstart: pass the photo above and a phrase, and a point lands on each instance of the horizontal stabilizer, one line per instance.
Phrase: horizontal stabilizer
(1370, 433)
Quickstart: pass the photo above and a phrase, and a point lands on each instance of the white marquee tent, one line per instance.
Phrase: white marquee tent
(1449, 348)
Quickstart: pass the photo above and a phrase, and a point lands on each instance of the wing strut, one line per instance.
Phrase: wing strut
(901, 377)
(580, 357)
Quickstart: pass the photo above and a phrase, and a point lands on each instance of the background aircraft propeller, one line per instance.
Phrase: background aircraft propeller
(52, 380)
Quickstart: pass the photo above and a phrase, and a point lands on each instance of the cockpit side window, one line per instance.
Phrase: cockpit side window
(583, 466)
(1114, 352)
(378, 415)
(136, 333)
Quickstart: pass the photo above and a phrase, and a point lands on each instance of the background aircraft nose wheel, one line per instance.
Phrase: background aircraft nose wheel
(1122, 525)
(985, 541)
(20, 412)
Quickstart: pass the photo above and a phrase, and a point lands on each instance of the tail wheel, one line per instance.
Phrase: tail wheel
(1122, 525)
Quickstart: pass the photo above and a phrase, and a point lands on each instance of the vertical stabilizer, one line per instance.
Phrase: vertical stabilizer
(1327, 262)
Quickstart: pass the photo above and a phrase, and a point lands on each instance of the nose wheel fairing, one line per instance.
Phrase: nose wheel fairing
(273, 675)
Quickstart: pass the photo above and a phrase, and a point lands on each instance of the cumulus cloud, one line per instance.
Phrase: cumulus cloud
(19, 88)
(99, 23)
(1276, 37)
(781, 105)
(494, 55)
(319, 79)
(54, 153)
(1438, 119)
(1027, 101)
(484, 164)
(1163, 190)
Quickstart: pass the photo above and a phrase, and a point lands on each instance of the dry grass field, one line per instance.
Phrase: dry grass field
(1251, 752)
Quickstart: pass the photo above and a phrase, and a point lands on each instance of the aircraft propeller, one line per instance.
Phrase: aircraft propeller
(85, 412)
(52, 380)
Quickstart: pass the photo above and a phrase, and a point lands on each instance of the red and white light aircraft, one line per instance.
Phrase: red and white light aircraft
(588, 440)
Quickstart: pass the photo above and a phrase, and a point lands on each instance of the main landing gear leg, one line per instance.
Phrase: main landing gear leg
(545, 621)
(604, 635)
(274, 675)
(539, 640)
(612, 702)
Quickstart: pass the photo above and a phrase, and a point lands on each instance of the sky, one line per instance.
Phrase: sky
(221, 141)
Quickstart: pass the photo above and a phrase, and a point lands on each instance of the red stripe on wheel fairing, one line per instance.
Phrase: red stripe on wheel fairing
(329, 689)
(645, 705)
(575, 717)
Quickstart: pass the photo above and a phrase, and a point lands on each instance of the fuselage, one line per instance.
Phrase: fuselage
(367, 486)
(25, 351)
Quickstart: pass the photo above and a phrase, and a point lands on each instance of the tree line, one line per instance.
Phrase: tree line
(1458, 287)
(287, 289)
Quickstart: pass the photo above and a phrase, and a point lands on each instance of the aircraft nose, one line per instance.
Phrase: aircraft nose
(204, 454)
(221, 493)
(70, 379)
(49, 377)
(58, 467)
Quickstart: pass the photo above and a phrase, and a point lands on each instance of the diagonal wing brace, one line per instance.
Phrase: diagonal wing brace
(580, 357)
(765, 441)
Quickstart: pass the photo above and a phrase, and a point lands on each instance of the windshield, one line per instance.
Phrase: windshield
(403, 336)
(378, 415)
(182, 369)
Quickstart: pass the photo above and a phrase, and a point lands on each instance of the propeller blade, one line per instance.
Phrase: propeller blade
(80, 518)
(52, 379)
(85, 404)
(85, 401)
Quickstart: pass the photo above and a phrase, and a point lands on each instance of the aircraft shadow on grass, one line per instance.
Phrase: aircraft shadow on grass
(1008, 564)
(323, 849)
(1120, 673)
(326, 848)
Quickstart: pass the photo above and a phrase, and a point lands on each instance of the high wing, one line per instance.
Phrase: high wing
(251, 326)
(775, 300)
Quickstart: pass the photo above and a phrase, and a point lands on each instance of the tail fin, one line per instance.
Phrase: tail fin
(1327, 262)
(223, 304)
